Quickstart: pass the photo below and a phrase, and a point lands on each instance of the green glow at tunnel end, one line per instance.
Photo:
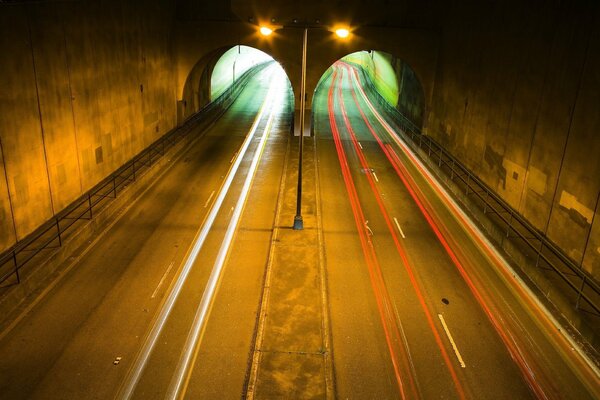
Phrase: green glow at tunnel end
(378, 66)
(232, 64)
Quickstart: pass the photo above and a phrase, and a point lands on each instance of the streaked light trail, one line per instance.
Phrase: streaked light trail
(401, 252)
(141, 360)
(185, 362)
(400, 360)
(516, 352)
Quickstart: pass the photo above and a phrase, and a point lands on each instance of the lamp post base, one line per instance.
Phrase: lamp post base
(298, 223)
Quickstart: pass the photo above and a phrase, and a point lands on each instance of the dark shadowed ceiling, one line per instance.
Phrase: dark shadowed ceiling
(405, 13)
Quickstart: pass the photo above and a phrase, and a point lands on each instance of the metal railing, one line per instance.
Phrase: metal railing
(548, 256)
(53, 232)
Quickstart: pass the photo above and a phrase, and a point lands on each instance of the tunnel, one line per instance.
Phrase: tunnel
(271, 199)
(394, 80)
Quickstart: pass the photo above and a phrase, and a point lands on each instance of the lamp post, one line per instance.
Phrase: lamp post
(342, 33)
(298, 222)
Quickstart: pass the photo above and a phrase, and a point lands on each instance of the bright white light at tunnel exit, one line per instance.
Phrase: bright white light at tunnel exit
(232, 64)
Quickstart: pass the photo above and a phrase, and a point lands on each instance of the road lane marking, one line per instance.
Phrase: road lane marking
(162, 279)
(233, 158)
(360, 145)
(400, 229)
(460, 359)
(209, 199)
(375, 176)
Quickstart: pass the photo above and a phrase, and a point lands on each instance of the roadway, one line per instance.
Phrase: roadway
(165, 302)
(421, 305)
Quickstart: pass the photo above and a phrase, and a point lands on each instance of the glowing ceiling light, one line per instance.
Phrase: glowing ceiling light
(342, 32)
(265, 30)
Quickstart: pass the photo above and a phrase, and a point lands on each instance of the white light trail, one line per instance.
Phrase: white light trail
(141, 360)
(184, 365)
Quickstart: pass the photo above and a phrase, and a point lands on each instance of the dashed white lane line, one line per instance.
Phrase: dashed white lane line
(209, 199)
(460, 360)
(162, 279)
(399, 229)
(233, 158)
(375, 176)
(360, 145)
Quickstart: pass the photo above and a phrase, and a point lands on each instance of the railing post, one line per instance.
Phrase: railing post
(90, 205)
(114, 187)
(537, 260)
(452, 171)
(467, 184)
(16, 267)
(485, 202)
(440, 162)
(58, 230)
(509, 225)
(579, 293)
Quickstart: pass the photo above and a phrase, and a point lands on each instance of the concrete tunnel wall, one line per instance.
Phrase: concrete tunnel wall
(516, 98)
(512, 89)
(84, 86)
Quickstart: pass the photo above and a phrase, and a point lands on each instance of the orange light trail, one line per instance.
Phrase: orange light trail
(409, 269)
(381, 295)
(514, 350)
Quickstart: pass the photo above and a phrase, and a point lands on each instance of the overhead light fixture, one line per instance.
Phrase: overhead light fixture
(265, 30)
(342, 32)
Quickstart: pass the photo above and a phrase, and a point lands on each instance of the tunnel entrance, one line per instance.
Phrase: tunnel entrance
(231, 65)
(219, 70)
(393, 79)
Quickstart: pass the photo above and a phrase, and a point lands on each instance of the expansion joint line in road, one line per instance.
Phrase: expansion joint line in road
(177, 382)
(401, 252)
(516, 353)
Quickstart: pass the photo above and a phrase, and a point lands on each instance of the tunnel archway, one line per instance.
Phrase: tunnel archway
(393, 78)
(231, 65)
(216, 71)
